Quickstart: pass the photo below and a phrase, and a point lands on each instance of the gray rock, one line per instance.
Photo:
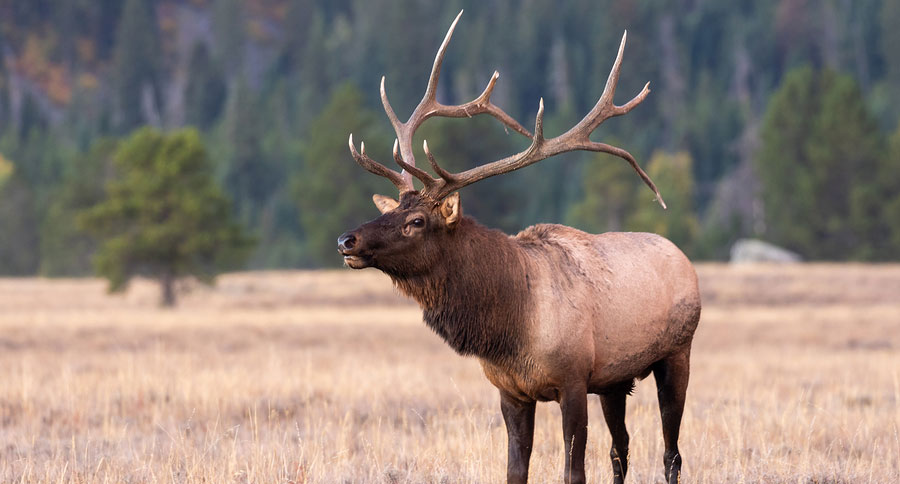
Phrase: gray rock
(754, 250)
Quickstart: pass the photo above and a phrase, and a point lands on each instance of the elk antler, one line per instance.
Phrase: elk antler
(577, 138)
(428, 107)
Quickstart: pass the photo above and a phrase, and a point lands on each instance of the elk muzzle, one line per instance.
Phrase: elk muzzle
(348, 245)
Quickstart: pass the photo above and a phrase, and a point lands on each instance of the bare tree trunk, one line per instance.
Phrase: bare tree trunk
(167, 283)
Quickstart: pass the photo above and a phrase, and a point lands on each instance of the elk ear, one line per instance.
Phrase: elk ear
(451, 210)
(384, 204)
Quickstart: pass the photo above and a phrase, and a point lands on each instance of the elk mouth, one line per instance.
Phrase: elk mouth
(357, 261)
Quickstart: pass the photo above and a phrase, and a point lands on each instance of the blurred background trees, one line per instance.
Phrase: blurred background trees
(162, 215)
(773, 118)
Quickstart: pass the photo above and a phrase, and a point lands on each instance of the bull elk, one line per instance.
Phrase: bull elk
(551, 313)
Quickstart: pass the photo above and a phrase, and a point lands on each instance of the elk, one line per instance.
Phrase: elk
(552, 313)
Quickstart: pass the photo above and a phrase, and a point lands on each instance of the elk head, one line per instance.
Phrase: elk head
(421, 220)
(404, 239)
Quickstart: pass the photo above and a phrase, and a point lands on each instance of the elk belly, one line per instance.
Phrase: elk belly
(521, 383)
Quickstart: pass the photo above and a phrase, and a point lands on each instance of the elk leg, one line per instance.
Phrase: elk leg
(614, 413)
(671, 376)
(519, 418)
(573, 402)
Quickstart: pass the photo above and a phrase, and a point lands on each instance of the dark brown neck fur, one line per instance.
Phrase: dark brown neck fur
(476, 294)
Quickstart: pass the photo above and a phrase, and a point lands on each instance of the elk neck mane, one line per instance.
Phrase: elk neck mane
(475, 295)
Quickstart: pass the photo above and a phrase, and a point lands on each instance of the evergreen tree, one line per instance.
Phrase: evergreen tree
(673, 175)
(609, 193)
(889, 188)
(136, 65)
(163, 216)
(206, 90)
(333, 193)
(315, 84)
(66, 250)
(230, 35)
(19, 253)
(297, 22)
(890, 38)
(249, 177)
(6, 170)
(819, 156)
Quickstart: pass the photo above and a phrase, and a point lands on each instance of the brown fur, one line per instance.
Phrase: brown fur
(552, 313)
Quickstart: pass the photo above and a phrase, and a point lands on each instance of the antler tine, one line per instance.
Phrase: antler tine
(577, 138)
(609, 90)
(429, 106)
(431, 89)
(615, 150)
(389, 110)
(402, 183)
(605, 108)
(446, 175)
(425, 108)
(414, 170)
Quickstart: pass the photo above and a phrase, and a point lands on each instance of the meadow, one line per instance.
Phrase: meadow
(331, 377)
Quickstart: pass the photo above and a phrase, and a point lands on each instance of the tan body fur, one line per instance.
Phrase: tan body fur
(602, 309)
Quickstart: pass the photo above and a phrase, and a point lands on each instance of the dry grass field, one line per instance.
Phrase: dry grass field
(330, 377)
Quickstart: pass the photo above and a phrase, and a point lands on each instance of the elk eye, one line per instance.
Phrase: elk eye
(418, 222)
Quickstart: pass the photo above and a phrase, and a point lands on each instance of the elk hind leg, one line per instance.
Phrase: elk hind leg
(613, 403)
(671, 376)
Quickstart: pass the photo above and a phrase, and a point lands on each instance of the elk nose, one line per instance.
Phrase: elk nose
(346, 242)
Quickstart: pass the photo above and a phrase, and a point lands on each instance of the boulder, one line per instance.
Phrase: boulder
(754, 250)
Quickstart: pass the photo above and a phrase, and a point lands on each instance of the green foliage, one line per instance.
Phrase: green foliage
(256, 75)
(818, 165)
(673, 175)
(6, 170)
(66, 250)
(206, 90)
(609, 192)
(250, 178)
(332, 191)
(230, 34)
(163, 216)
(19, 234)
(136, 64)
(298, 18)
(889, 184)
(34, 166)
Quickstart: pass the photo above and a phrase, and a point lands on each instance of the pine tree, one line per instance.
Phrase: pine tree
(163, 216)
(66, 250)
(136, 65)
(609, 187)
(19, 253)
(673, 174)
(889, 188)
(333, 193)
(297, 23)
(230, 35)
(6, 170)
(250, 177)
(818, 160)
(206, 89)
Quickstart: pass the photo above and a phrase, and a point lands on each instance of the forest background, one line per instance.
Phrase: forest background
(775, 119)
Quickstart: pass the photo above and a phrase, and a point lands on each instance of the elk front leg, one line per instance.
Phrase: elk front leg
(573, 403)
(519, 418)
